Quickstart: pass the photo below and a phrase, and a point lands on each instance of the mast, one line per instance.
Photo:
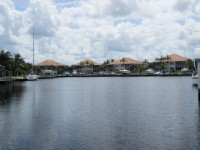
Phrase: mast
(33, 52)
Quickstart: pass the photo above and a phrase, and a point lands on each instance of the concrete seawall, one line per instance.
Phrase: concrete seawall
(20, 79)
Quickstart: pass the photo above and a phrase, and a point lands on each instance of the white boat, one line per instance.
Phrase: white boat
(149, 71)
(32, 76)
(125, 71)
(158, 73)
(195, 79)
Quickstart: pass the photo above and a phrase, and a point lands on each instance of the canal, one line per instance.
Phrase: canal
(100, 113)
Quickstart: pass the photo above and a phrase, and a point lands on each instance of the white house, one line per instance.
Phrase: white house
(174, 63)
(124, 63)
(86, 67)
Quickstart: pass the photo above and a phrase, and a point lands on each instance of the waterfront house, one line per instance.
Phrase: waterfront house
(124, 63)
(87, 66)
(173, 63)
(48, 64)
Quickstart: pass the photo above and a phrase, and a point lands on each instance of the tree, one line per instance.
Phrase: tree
(145, 63)
(167, 58)
(189, 64)
(163, 61)
(19, 64)
(27, 67)
(112, 60)
(104, 66)
(123, 60)
(107, 62)
(87, 62)
(160, 59)
(82, 63)
(139, 68)
(132, 68)
(6, 59)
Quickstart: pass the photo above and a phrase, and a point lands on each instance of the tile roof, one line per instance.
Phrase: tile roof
(86, 61)
(127, 61)
(49, 62)
(174, 58)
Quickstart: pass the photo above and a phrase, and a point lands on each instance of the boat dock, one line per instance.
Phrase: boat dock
(6, 79)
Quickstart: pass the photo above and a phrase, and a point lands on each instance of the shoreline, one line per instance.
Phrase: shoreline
(128, 75)
(123, 75)
(21, 79)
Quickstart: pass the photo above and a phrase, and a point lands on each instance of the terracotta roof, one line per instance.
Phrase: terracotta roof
(174, 58)
(49, 62)
(87, 61)
(127, 61)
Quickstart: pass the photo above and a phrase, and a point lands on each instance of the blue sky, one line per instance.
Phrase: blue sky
(72, 30)
(21, 4)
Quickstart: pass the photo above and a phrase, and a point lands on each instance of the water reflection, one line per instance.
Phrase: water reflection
(100, 113)
(10, 93)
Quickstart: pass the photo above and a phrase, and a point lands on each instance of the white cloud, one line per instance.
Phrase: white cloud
(182, 5)
(197, 8)
(72, 31)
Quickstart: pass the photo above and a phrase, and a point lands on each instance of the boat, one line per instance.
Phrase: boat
(32, 76)
(158, 73)
(149, 71)
(125, 71)
(195, 80)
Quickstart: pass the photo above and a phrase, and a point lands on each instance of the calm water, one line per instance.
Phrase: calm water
(100, 113)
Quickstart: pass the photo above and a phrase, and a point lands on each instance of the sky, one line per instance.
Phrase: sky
(69, 31)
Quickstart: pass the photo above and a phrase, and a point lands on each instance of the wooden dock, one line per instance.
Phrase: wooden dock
(6, 79)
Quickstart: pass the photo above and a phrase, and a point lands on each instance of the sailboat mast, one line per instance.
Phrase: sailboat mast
(33, 51)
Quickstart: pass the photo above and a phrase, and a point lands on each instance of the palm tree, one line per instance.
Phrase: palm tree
(145, 62)
(86, 65)
(104, 66)
(166, 60)
(19, 64)
(107, 62)
(112, 60)
(161, 60)
(123, 60)
(82, 63)
(87, 62)
(110, 67)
